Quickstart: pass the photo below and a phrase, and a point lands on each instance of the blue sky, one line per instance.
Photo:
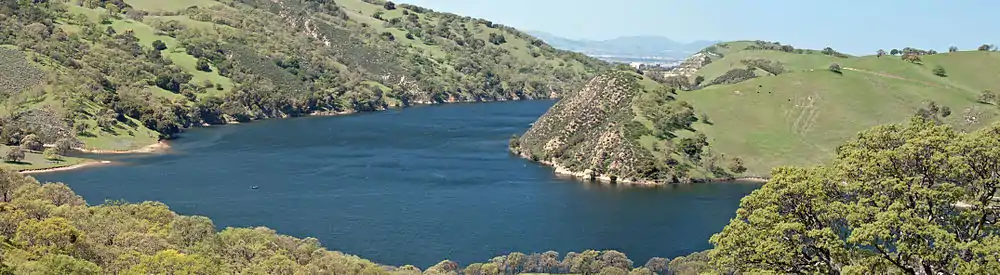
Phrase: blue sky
(851, 26)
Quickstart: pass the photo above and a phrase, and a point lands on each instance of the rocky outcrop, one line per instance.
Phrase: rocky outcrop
(691, 65)
(584, 133)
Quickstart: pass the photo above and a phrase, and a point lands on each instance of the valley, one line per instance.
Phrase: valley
(745, 157)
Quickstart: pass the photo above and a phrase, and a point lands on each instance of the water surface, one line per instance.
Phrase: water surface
(411, 186)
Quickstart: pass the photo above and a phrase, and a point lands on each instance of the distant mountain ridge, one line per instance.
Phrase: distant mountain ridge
(647, 47)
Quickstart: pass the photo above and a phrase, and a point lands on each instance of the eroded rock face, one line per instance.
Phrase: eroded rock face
(583, 134)
(691, 65)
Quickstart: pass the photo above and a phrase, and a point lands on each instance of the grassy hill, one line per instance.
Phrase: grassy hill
(758, 105)
(799, 116)
(121, 74)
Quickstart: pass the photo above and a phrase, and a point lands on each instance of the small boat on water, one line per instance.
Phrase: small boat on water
(254, 187)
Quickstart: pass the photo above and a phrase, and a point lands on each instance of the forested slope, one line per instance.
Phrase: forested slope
(118, 75)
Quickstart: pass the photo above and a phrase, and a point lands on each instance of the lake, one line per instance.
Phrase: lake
(412, 186)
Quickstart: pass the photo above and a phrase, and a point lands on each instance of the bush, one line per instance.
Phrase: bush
(698, 80)
(389, 36)
(985, 47)
(772, 67)
(32, 142)
(159, 45)
(14, 154)
(831, 52)
(939, 71)
(988, 97)
(835, 68)
(736, 166)
(50, 154)
(64, 145)
(203, 65)
(497, 39)
(389, 5)
(734, 76)
(952, 49)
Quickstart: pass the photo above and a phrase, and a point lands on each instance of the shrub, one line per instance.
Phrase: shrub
(389, 36)
(64, 145)
(939, 71)
(497, 39)
(698, 80)
(32, 142)
(831, 52)
(952, 49)
(50, 154)
(389, 5)
(203, 65)
(912, 58)
(159, 45)
(734, 76)
(835, 68)
(772, 67)
(985, 47)
(988, 97)
(14, 154)
(736, 165)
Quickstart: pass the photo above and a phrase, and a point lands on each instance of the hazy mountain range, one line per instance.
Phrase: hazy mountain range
(627, 48)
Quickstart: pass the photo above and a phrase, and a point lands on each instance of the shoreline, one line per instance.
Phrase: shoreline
(159, 146)
(560, 170)
(63, 168)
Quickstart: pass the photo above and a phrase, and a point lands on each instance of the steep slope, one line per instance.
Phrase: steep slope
(620, 128)
(121, 74)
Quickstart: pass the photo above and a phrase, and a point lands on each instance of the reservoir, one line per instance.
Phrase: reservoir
(412, 186)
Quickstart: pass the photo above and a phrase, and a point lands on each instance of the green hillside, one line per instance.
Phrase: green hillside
(121, 74)
(799, 116)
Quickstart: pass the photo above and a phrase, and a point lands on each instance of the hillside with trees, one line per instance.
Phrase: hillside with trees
(773, 104)
(623, 127)
(738, 109)
(120, 75)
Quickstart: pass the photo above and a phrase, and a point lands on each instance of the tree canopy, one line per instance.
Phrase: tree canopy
(915, 198)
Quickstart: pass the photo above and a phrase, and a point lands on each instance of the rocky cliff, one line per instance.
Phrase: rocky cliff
(691, 65)
(585, 134)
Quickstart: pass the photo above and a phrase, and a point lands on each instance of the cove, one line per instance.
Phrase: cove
(412, 186)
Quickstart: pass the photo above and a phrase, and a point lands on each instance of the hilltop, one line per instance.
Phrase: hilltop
(762, 104)
(114, 75)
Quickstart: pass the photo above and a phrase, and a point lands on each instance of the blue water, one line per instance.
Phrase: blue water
(412, 186)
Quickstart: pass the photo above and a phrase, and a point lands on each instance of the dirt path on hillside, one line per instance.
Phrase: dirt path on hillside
(893, 76)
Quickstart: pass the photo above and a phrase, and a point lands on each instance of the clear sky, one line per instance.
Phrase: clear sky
(852, 26)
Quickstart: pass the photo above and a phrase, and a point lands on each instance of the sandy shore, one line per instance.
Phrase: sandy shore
(64, 168)
(152, 148)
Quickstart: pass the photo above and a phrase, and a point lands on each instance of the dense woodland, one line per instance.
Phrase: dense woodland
(286, 58)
